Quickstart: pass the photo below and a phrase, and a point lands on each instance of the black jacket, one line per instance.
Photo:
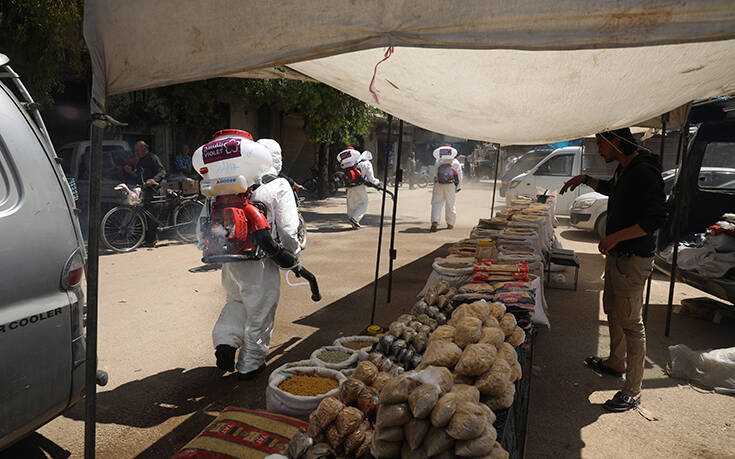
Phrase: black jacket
(149, 167)
(636, 196)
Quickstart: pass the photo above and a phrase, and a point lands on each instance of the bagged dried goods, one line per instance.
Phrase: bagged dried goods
(353, 441)
(366, 445)
(444, 409)
(516, 372)
(386, 448)
(333, 436)
(348, 420)
(443, 333)
(508, 353)
(394, 433)
(476, 359)
(468, 421)
(437, 441)
(480, 446)
(380, 380)
(469, 331)
(497, 310)
(466, 393)
(422, 400)
(408, 453)
(393, 415)
(504, 401)
(367, 402)
(442, 354)
(415, 431)
(396, 390)
(494, 381)
(350, 390)
(508, 323)
(492, 335)
(517, 337)
(366, 372)
(325, 413)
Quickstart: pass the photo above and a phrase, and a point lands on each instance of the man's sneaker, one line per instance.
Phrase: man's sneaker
(225, 357)
(450, 226)
(434, 227)
(355, 224)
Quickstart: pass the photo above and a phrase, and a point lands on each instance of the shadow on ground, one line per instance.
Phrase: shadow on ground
(35, 446)
(336, 222)
(152, 400)
(560, 404)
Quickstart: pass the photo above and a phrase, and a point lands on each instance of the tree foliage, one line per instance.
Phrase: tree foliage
(43, 39)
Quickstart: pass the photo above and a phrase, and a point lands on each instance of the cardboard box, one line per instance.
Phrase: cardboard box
(173, 185)
(190, 186)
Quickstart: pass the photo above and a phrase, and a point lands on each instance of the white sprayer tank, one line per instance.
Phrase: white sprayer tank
(445, 154)
(231, 163)
(348, 157)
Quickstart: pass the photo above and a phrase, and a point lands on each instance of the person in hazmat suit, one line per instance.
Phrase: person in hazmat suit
(253, 286)
(359, 174)
(447, 178)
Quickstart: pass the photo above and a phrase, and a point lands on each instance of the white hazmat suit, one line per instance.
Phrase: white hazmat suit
(444, 195)
(357, 196)
(253, 287)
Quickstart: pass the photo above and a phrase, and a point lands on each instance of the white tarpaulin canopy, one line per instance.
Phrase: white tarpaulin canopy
(520, 71)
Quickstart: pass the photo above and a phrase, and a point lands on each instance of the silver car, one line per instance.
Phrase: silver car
(42, 343)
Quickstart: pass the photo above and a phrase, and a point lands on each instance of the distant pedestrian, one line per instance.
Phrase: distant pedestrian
(635, 210)
(447, 177)
(411, 170)
(149, 172)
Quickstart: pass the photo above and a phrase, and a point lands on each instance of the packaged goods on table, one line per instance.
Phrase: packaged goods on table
(453, 270)
(356, 343)
(297, 391)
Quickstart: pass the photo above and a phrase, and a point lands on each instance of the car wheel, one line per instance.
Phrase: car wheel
(600, 225)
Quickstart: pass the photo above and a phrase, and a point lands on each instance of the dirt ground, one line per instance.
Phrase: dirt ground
(156, 319)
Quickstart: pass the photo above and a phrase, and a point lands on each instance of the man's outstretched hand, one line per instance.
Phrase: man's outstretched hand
(573, 183)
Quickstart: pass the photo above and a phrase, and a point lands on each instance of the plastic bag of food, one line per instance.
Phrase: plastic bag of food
(476, 359)
(320, 451)
(333, 436)
(443, 302)
(414, 432)
(432, 311)
(481, 307)
(396, 390)
(396, 328)
(516, 372)
(385, 343)
(442, 354)
(350, 390)
(353, 441)
(494, 381)
(398, 346)
(462, 379)
(437, 441)
(430, 298)
(466, 393)
(393, 415)
(298, 445)
(468, 421)
(508, 323)
(425, 330)
(498, 452)
(409, 334)
(422, 400)
(385, 449)
(426, 320)
(504, 401)
(491, 322)
(493, 336)
(405, 318)
(489, 414)
(508, 353)
(497, 310)
(469, 331)
(396, 370)
(419, 343)
(419, 308)
(462, 311)
(480, 446)
(366, 372)
(380, 380)
(348, 420)
(416, 361)
(366, 444)
(415, 324)
(386, 365)
(367, 402)
(325, 413)
(394, 433)
(443, 333)
(444, 410)
(408, 453)
(517, 337)
(442, 287)
(313, 430)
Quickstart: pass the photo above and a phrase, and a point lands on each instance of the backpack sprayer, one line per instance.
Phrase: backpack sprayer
(236, 228)
(348, 160)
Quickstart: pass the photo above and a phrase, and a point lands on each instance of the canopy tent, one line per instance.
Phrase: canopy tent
(530, 71)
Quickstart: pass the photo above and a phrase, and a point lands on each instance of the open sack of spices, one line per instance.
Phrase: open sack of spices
(335, 357)
(297, 391)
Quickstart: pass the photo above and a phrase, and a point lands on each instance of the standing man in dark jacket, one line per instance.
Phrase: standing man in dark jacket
(635, 210)
(149, 172)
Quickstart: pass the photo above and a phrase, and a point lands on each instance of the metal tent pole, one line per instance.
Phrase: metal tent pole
(95, 179)
(382, 216)
(399, 178)
(675, 220)
(495, 182)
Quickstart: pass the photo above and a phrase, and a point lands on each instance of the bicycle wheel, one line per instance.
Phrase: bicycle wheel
(301, 232)
(123, 229)
(185, 220)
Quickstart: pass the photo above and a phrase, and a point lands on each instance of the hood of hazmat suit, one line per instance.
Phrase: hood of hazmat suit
(276, 153)
(348, 157)
(367, 156)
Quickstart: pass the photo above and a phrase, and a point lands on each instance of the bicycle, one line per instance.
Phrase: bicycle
(124, 226)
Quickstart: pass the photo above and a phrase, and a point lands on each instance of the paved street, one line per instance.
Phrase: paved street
(155, 341)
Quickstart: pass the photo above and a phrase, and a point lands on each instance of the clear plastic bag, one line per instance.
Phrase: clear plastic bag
(366, 372)
(437, 441)
(443, 333)
(493, 336)
(517, 337)
(508, 323)
(394, 433)
(386, 449)
(469, 331)
(408, 453)
(715, 368)
(508, 353)
(415, 431)
(480, 446)
(466, 393)
(325, 413)
(350, 390)
(504, 401)
(393, 415)
(494, 381)
(348, 420)
(442, 354)
(422, 400)
(476, 359)
(444, 410)
(396, 390)
(468, 421)
(380, 380)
